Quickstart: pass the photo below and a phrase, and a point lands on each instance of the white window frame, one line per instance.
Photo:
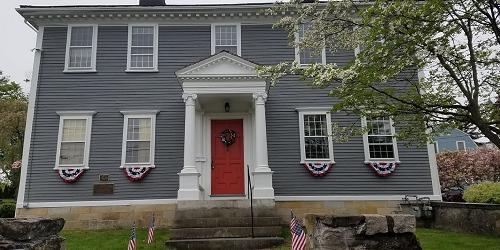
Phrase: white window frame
(238, 36)
(366, 145)
(148, 114)
(95, 29)
(465, 146)
(69, 115)
(315, 111)
(155, 48)
(297, 52)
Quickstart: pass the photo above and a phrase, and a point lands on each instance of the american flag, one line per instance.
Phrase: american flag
(298, 235)
(132, 240)
(151, 230)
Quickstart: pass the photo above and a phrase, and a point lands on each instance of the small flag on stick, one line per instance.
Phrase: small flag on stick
(132, 240)
(298, 235)
(151, 230)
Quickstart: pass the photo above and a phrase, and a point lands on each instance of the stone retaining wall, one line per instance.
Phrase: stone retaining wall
(462, 217)
(103, 217)
(370, 231)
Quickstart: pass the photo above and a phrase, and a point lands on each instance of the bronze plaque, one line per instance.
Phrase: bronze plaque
(103, 177)
(104, 188)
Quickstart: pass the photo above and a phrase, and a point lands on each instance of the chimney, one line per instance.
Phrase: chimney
(151, 2)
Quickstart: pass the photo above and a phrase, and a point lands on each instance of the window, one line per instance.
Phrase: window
(306, 56)
(73, 143)
(379, 140)
(138, 138)
(81, 48)
(461, 146)
(226, 37)
(142, 48)
(315, 130)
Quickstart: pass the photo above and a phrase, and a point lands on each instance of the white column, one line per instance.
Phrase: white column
(189, 188)
(262, 175)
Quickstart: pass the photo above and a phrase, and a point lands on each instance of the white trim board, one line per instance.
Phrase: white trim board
(351, 198)
(100, 203)
(29, 118)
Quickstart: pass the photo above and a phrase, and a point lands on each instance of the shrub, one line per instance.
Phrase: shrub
(463, 168)
(486, 192)
(7, 209)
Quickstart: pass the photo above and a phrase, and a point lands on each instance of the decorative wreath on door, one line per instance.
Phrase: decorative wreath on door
(228, 137)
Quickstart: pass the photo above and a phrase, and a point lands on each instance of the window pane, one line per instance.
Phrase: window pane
(380, 126)
(80, 57)
(317, 148)
(74, 129)
(142, 36)
(381, 151)
(81, 36)
(142, 51)
(380, 139)
(307, 56)
(139, 129)
(141, 61)
(315, 125)
(71, 153)
(137, 152)
(226, 35)
(461, 145)
(230, 49)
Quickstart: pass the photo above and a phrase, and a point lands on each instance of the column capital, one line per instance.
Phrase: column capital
(189, 99)
(260, 97)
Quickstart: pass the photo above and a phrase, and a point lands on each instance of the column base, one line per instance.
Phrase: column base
(263, 184)
(189, 187)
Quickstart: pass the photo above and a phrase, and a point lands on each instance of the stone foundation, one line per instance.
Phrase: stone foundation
(103, 217)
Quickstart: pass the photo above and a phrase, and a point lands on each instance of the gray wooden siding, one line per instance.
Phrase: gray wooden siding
(111, 90)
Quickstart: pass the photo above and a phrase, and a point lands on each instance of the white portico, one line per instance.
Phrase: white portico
(224, 93)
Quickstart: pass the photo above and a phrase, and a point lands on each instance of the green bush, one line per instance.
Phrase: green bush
(7, 209)
(485, 192)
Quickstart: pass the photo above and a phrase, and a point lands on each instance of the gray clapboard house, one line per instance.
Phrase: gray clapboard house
(135, 108)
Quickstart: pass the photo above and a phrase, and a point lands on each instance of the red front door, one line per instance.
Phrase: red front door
(227, 160)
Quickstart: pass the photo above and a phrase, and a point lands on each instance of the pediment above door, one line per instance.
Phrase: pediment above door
(222, 66)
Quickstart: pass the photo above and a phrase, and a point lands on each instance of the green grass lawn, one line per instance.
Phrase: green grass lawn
(111, 239)
(430, 239)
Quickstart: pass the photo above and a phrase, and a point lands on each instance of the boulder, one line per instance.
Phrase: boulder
(32, 233)
(373, 232)
(401, 223)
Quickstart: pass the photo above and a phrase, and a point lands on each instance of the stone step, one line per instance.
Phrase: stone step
(226, 243)
(224, 213)
(223, 232)
(225, 222)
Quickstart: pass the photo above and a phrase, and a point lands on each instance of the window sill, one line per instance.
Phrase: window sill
(138, 166)
(317, 161)
(72, 167)
(141, 70)
(382, 160)
(79, 71)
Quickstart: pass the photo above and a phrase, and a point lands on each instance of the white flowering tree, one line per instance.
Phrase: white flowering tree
(454, 44)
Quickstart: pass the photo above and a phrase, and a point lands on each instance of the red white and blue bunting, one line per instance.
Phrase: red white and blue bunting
(383, 168)
(70, 175)
(318, 168)
(136, 173)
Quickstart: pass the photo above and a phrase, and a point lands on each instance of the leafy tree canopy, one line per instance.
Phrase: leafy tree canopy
(13, 106)
(456, 41)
